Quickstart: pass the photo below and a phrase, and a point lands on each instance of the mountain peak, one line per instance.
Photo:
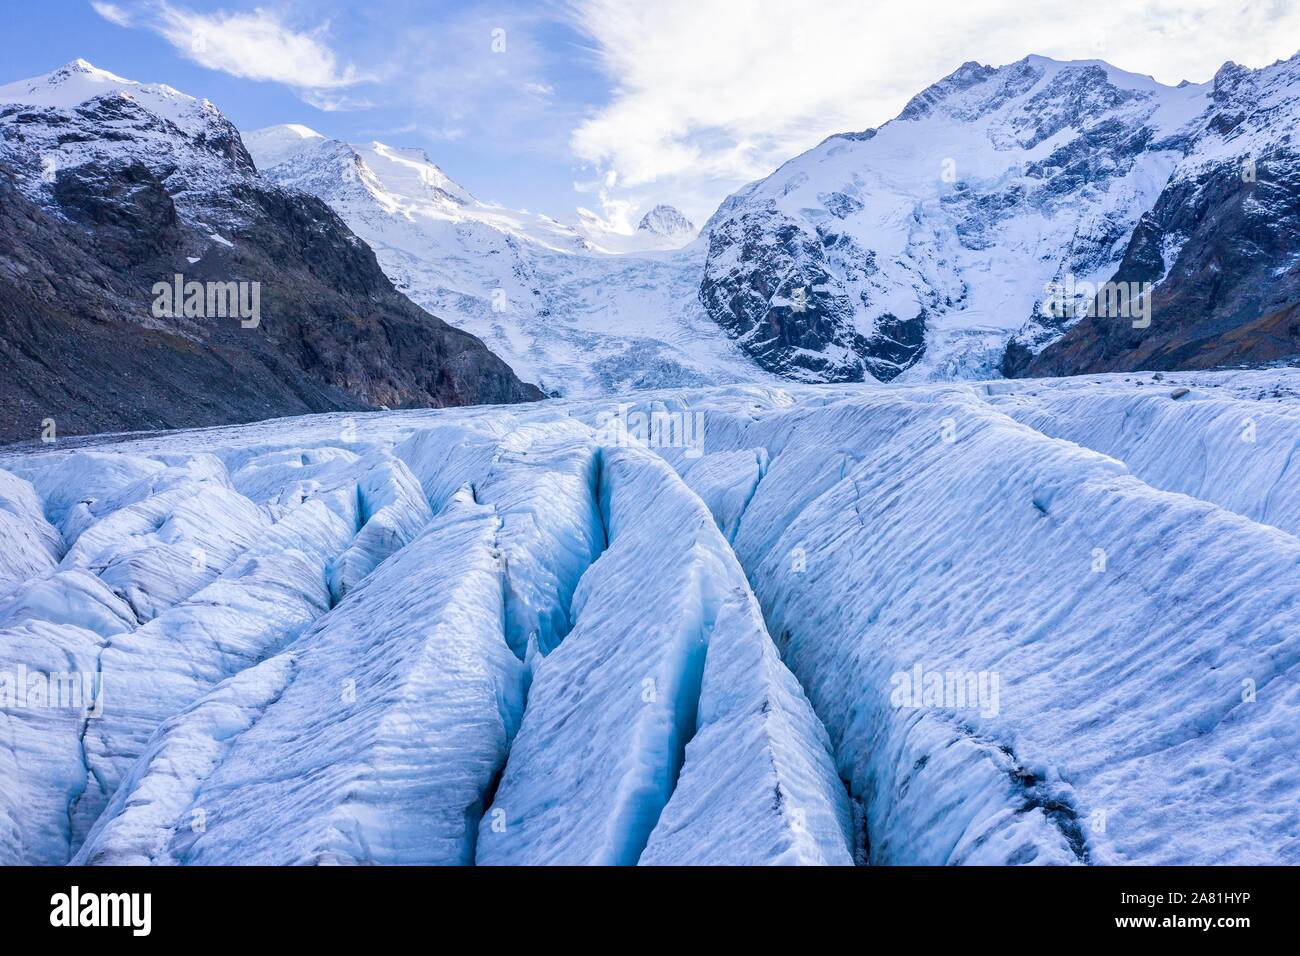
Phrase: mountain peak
(964, 77)
(665, 220)
(403, 175)
(277, 144)
(80, 67)
(71, 84)
(80, 81)
(297, 129)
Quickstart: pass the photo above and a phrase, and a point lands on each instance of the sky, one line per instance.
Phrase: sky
(612, 105)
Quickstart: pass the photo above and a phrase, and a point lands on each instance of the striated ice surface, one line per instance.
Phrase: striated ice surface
(1049, 622)
(31, 544)
(623, 709)
(330, 753)
(45, 697)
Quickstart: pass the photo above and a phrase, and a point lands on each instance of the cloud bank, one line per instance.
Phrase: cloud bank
(710, 94)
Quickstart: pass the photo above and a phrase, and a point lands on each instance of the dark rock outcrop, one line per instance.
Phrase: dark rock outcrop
(1219, 251)
(784, 298)
(79, 345)
(132, 200)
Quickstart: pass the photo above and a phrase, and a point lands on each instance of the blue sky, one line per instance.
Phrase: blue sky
(499, 123)
(612, 105)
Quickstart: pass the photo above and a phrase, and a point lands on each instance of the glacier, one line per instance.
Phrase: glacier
(1040, 621)
(579, 309)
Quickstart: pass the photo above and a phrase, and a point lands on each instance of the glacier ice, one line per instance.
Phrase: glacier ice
(663, 620)
(583, 310)
(340, 750)
(32, 544)
(1051, 622)
(69, 485)
(45, 696)
(71, 596)
(159, 539)
(1220, 448)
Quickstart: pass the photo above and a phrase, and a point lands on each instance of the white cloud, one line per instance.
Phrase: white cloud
(710, 94)
(255, 45)
(112, 13)
(619, 213)
(446, 134)
(333, 100)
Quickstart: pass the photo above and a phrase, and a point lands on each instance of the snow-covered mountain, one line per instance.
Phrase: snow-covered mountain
(923, 246)
(1052, 621)
(579, 310)
(929, 247)
(1219, 247)
(81, 116)
(109, 187)
(667, 221)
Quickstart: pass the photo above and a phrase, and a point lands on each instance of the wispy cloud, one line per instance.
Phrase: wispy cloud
(485, 74)
(464, 70)
(112, 13)
(444, 134)
(255, 45)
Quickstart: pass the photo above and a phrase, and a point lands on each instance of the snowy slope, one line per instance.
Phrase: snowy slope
(668, 222)
(80, 115)
(109, 187)
(581, 311)
(79, 81)
(922, 247)
(1218, 249)
(1041, 621)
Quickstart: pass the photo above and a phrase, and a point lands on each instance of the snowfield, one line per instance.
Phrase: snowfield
(580, 310)
(1037, 621)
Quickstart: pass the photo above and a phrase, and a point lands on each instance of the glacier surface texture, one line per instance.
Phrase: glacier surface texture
(1013, 622)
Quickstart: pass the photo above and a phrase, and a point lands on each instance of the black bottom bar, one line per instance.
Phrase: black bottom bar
(210, 906)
